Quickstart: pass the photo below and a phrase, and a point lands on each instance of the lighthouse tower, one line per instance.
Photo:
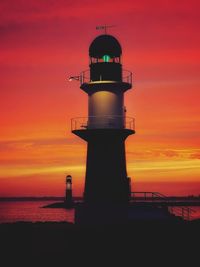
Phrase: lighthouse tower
(106, 127)
(68, 192)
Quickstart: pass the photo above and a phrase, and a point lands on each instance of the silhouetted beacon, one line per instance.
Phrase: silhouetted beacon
(106, 127)
(68, 193)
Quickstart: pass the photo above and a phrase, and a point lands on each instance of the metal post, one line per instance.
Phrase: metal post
(188, 210)
(183, 213)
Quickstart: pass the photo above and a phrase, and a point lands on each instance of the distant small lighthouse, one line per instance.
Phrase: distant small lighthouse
(68, 192)
(106, 127)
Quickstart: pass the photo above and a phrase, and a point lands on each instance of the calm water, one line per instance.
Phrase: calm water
(31, 211)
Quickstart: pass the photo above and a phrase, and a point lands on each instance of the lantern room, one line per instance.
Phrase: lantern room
(105, 59)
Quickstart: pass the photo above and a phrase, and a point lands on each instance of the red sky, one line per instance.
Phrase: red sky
(44, 42)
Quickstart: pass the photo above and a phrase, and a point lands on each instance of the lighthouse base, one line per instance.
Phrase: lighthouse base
(106, 181)
(100, 215)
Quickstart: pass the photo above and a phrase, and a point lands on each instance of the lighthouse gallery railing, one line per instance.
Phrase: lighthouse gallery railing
(103, 122)
(85, 76)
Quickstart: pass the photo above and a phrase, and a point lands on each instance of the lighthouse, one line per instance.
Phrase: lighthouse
(106, 127)
(68, 192)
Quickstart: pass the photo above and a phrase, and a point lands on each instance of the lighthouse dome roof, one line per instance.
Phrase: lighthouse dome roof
(105, 45)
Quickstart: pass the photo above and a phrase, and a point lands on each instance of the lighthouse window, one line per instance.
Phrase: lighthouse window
(106, 58)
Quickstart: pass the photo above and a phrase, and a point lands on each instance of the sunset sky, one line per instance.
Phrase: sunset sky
(42, 43)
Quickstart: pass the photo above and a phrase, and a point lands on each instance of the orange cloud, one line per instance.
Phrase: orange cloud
(42, 45)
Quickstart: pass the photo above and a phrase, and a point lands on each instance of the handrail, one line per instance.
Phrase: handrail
(85, 76)
(183, 212)
(103, 122)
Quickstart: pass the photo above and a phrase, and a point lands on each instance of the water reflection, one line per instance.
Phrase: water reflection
(32, 211)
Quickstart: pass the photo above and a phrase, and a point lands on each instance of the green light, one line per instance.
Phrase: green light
(106, 58)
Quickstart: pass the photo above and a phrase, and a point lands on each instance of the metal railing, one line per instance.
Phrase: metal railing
(103, 122)
(152, 197)
(85, 77)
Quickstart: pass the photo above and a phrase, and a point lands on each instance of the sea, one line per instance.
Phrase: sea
(33, 211)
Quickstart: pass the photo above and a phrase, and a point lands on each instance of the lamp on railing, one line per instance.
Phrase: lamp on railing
(77, 78)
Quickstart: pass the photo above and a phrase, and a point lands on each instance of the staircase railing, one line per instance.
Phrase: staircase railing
(152, 197)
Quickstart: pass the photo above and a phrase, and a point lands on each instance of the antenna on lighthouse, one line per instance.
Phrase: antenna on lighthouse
(104, 27)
